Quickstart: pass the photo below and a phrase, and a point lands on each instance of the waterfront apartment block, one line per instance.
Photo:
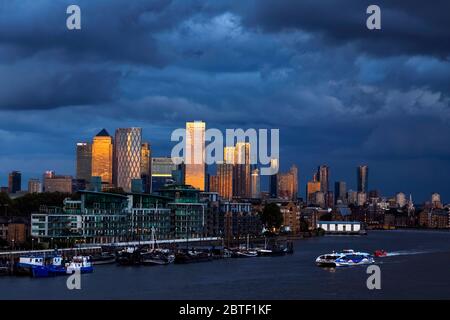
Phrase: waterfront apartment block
(100, 217)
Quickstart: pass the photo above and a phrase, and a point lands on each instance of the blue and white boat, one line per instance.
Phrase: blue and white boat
(344, 258)
(82, 264)
(39, 266)
(31, 265)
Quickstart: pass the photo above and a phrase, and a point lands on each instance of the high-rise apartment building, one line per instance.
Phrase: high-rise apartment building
(363, 178)
(14, 182)
(84, 161)
(102, 158)
(195, 168)
(127, 157)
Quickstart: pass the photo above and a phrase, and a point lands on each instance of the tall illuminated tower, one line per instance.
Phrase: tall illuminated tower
(102, 157)
(127, 157)
(363, 178)
(195, 155)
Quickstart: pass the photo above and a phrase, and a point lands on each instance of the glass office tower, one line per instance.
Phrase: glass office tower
(127, 157)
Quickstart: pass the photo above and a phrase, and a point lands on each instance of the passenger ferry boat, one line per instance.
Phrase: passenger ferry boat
(344, 258)
(81, 263)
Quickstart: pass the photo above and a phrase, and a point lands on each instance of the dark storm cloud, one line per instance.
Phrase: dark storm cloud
(36, 86)
(408, 27)
(340, 94)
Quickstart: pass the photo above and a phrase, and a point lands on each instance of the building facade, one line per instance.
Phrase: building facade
(146, 167)
(323, 176)
(14, 182)
(363, 178)
(84, 161)
(34, 186)
(242, 170)
(57, 183)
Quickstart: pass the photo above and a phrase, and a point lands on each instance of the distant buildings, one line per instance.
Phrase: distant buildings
(400, 199)
(14, 182)
(436, 200)
(162, 172)
(146, 167)
(84, 161)
(363, 178)
(311, 188)
(57, 183)
(288, 184)
(340, 190)
(273, 182)
(242, 170)
(225, 180)
(34, 186)
(256, 184)
(323, 176)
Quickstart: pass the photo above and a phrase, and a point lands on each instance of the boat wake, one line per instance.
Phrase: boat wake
(405, 253)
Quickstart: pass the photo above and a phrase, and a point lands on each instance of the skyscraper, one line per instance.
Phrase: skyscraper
(225, 171)
(127, 156)
(14, 182)
(242, 170)
(288, 184)
(323, 175)
(273, 182)
(340, 190)
(102, 157)
(225, 180)
(256, 185)
(84, 161)
(146, 167)
(363, 178)
(195, 169)
(311, 188)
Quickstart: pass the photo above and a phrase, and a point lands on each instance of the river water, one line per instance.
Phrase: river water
(417, 268)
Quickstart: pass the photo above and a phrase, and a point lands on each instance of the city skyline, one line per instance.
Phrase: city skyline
(341, 95)
(137, 153)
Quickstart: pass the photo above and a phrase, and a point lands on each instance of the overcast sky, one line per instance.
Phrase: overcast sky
(340, 94)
